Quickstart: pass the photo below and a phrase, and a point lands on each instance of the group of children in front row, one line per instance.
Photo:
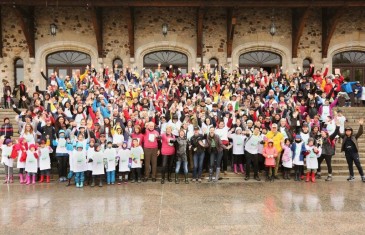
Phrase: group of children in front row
(84, 159)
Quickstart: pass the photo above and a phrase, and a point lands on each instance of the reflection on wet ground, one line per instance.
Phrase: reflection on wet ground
(235, 208)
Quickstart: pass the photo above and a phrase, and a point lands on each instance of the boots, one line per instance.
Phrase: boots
(217, 174)
(27, 179)
(241, 169)
(48, 178)
(21, 179)
(235, 168)
(69, 182)
(11, 179)
(296, 176)
(77, 185)
(169, 177)
(288, 175)
(81, 185)
(176, 179)
(307, 179)
(100, 182)
(42, 179)
(186, 179)
(313, 177)
(92, 182)
(33, 179)
(6, 179)
(210, 175)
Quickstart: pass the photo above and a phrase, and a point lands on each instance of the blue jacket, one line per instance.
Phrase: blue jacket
(347, 87)
(359, 91)
(293, 148)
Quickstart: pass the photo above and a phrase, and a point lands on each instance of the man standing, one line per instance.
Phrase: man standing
(277, 137)
(251, 147)
(351, 149)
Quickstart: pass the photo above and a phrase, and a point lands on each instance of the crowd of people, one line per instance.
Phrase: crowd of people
(119, 125)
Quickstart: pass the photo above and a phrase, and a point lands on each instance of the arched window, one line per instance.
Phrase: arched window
(67, 62)
(18, 71)
(306, 64)
(119, 63)
(166, 58)
(267, 60)
(213, 61)
(351, 65)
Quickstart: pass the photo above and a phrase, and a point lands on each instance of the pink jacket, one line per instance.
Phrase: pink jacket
(267, 152)
(167, 147)
(286, 152)
(150, 139)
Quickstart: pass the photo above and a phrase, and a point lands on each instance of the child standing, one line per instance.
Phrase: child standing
(19, 151)
(125, 161)
(270, 153)
(89, 152)
(6, 158)
(79, 164)
(110, 159)
(238, 148)
(287, 158)
(298, 149)
(312, 163)
(62, 154)
(44, 161)
(137, 156)
(97, 165)
(31, 163)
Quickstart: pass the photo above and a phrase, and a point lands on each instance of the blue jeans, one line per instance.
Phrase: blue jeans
(79, 177)
(184, 164)
(216, 157)
(110, 177)
(198, 165)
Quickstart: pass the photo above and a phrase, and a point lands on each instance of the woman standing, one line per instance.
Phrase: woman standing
(167, 151)
(215, 148)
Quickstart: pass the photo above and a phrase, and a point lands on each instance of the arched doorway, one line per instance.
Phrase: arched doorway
(166, 58)
(18, 71)
(351, 65)
(267, 60)
(67, 62)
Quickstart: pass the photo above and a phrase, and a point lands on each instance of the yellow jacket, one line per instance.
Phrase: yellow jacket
(277, 138)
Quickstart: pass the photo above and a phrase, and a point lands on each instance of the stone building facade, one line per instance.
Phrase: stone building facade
(251, 33)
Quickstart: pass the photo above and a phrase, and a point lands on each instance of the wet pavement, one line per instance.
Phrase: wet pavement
(151, 208)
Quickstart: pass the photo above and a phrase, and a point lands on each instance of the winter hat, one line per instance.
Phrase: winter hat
(8, 141)
(298, 137)
(238, 129)
(79, 145)
(33, 146)
(61, 131)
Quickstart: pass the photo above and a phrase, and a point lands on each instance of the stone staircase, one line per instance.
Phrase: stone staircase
(339, 164)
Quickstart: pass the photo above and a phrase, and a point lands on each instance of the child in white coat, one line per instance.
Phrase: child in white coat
(44, 161)
(238, 140)
(79, 164)
(6, 159)
(137, 156)
(110, 156)
(97, 160)
(313, 153)
(31, 164)
(125, 161)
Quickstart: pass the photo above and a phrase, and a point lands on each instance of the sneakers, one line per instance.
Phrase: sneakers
(329, 178)
(363, 178)
(257, 178)
(193, 180)
(247, 178)
(351, 178)
(199, 180)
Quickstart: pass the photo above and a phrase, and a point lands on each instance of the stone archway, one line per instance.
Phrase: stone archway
(46, 49)
(166, 45)
(277, 48)
(342, 47)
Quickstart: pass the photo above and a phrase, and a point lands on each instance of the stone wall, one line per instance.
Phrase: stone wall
(14, 46)
(75, 31)
(310, 44)
(215, 35)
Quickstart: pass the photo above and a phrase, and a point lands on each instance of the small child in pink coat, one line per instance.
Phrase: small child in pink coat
(270, 153)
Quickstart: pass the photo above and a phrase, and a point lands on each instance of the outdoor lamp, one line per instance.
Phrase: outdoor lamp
(53, 29)
(164, 29)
